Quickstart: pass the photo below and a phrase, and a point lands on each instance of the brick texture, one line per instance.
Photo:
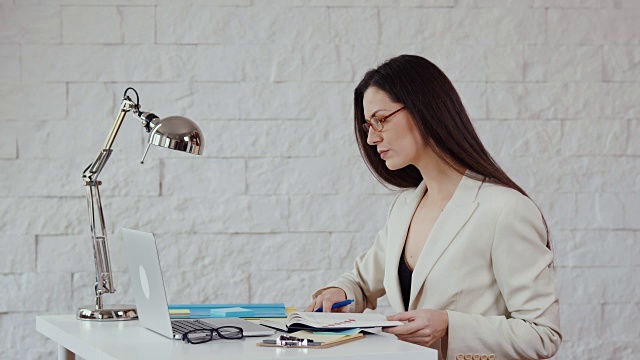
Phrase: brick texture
(551, 86)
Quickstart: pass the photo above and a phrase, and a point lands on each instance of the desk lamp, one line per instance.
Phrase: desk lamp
(173, 132)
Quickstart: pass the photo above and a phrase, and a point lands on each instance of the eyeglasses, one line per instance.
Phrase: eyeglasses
(200, 336)
(377, 123)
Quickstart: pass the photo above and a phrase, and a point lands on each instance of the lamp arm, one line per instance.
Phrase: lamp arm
(104, 278)
(93, 170)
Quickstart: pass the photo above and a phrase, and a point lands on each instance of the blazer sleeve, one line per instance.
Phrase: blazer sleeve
(523, 268)
(364, 283)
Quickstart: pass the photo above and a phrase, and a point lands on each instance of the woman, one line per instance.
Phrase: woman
(464, 256)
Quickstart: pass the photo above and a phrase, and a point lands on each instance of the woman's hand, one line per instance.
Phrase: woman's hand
(327, 298)
(423, 326)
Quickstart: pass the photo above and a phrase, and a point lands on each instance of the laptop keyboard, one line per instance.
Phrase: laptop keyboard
(182, 326)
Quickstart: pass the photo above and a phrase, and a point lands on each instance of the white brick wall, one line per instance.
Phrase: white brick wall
(281, 203)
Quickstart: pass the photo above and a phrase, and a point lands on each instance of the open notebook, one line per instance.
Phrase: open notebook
(329, 321)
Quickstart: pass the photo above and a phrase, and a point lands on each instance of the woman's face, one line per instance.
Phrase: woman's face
(399, 143)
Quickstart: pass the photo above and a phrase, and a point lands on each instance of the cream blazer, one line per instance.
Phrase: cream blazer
(485, 262)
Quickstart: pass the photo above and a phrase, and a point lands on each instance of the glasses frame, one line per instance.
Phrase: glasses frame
(211, 332)
(368, 124)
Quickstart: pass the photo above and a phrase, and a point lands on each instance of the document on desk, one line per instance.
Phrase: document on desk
(330, 321)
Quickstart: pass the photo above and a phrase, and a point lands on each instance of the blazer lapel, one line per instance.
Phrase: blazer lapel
(453, 217)
(398, 229)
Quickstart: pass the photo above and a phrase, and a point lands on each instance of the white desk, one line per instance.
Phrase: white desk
(128, 340)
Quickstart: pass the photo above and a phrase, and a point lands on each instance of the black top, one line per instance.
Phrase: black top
(405, 273)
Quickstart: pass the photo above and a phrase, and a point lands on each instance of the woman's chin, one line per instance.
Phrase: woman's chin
(395, 165)
(390, 165)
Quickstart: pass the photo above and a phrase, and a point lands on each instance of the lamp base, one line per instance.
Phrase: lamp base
(110, 313)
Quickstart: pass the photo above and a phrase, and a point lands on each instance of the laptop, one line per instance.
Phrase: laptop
(151, 298)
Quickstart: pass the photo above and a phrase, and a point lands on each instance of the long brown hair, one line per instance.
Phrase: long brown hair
(430, 97)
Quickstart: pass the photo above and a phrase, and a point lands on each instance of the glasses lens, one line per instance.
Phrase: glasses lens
(366, 127)
(377, 125)
(199, 336)
(230, 332)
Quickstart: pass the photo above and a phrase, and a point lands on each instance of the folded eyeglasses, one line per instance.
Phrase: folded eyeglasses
(200, 336)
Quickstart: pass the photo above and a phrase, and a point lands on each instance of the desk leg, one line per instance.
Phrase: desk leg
(65, 354)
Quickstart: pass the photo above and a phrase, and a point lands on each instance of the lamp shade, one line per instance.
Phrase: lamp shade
(177, 133)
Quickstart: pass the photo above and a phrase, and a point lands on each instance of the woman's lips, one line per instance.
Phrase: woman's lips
(383, 153)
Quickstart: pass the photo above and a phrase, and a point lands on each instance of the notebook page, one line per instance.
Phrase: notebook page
(341, 320)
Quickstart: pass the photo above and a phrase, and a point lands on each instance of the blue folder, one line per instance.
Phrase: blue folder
(260, 310)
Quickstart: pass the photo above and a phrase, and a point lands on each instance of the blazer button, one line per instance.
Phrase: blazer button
(468, 357)
(476, 356)
(460, 357)
(484, 357)
(491, 357)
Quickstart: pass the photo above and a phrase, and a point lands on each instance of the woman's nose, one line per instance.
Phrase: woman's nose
(373, 137)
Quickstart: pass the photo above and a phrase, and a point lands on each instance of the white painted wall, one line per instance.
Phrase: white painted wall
(280, 203)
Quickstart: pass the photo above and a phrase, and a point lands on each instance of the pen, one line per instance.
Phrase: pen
(336, 305)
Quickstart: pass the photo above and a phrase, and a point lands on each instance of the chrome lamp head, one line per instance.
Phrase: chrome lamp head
(174, 132)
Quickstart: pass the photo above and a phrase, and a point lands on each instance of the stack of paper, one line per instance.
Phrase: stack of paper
(179, 313)
(213, 310)
(232, 312)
